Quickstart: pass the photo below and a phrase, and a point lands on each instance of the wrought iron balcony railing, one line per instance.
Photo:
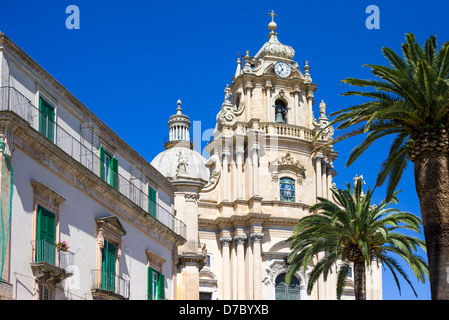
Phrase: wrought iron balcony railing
(50, 262)
(12, 100)
(110, 283)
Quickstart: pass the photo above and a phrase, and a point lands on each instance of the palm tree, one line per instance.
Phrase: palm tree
(350, 230)
(410, 101)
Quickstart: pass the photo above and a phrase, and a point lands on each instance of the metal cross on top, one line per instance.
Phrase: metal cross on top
(272, 14)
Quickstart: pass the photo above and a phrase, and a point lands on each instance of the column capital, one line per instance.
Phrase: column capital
(226, 155)
(225, 241)
(239, 152)
(240, 239)
(256, 236)
(255, 148)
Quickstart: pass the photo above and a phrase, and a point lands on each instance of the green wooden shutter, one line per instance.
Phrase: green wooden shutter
(45, 236)
(161, 287)
(150, 284)
(152, 200)
(155, 289)
(101, 163)
(51, 123)
(114, 173)
(46, 119)
(108, 266)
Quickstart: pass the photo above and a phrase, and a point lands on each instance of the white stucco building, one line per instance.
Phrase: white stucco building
(75, 180)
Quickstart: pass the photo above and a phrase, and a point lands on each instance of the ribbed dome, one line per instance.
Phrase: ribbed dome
(273, 48)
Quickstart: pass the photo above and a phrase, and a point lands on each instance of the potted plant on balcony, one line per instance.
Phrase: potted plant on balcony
(62, 246)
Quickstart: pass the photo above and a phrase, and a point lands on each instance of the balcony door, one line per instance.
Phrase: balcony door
(108, 266)
(45, 236)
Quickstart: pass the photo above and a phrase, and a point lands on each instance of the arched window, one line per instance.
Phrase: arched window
(284, 291)
(287, 189)
(280, 112)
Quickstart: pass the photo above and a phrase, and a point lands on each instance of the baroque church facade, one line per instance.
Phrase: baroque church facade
(244, 201)
(84, 216)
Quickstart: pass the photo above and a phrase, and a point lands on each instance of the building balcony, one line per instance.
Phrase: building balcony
(50, 264)
(83, 152)
(109, 286)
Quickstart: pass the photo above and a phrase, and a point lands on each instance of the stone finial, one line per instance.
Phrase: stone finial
(179, 107)
(307, 76)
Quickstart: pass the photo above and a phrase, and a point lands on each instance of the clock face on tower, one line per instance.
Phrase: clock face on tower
(282, 69)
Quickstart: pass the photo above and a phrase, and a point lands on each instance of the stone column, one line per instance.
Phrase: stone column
(255, 163)
(318, 159)
(324, 178)
(296, 91)
(239, 161)
(225, 184)
(226, 277)
(309, 110)
(248, 89)
(257, 280)
(240, 244)
(270, 113)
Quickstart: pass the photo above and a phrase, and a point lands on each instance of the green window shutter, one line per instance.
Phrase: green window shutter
(45, 236)
(108, 168)
(108, 266)
(150, 284)
(156, 285)
(51, 123)
(152, 201)
(101, 163)
(46, 119)
(161, 287)
(114, 173)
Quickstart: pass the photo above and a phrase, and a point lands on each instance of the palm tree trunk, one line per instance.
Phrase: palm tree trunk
(359, 280)
(432, 186)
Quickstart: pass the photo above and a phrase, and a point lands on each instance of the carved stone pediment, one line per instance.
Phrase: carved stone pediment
(287, 164)
(110, 227)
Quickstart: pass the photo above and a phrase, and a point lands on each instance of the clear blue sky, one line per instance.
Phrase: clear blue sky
(130, 62)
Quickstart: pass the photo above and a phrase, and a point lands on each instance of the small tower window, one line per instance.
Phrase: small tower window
(287, 189)
(281, 112)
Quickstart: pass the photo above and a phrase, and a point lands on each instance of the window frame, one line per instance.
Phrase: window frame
(47, 111)
(108, 171)
(154, 264)
(156, 285)
(152, 202)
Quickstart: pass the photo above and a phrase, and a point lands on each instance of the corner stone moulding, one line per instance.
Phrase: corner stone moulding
(215, 173)
(192, 196)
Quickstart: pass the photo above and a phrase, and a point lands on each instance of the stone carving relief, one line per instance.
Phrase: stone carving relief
(287, 163)
(323, 124)
(215, 173)
(228, 110)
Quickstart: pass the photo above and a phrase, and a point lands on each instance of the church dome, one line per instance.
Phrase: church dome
(273, 48)
(179, 161)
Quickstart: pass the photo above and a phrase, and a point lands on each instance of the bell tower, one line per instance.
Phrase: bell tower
(263, 177)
